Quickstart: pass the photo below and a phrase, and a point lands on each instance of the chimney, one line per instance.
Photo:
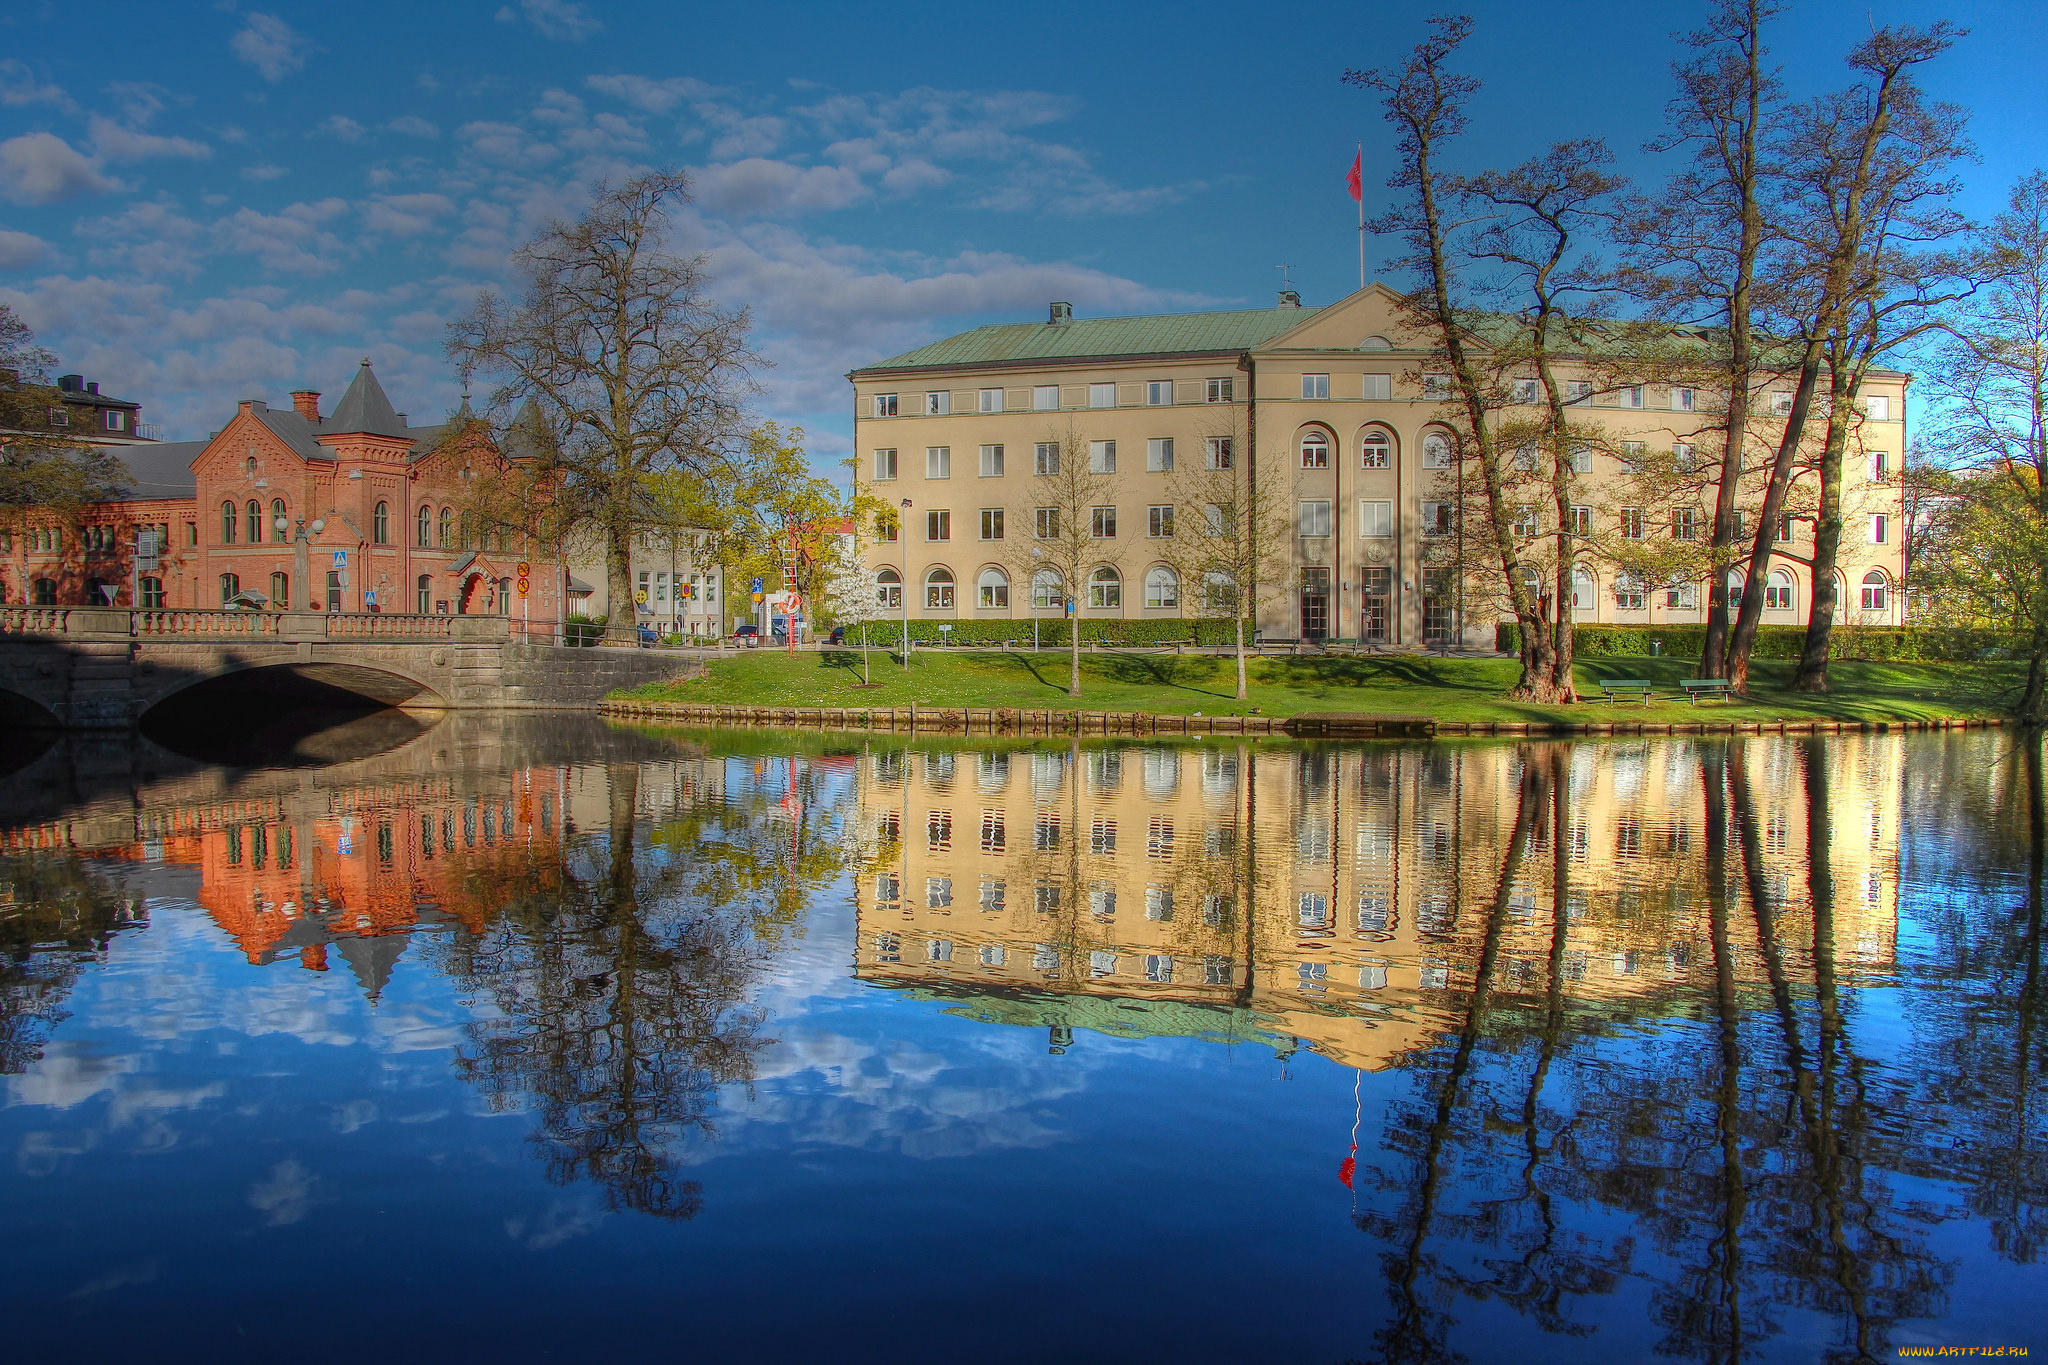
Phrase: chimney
(70, 383)
(1290, 298)
(306, 403)
(93, 387)
(1062, 313)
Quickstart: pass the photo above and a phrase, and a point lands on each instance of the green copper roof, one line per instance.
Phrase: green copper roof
(1093, 338)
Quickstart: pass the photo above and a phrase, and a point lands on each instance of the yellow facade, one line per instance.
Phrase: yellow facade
(1337, 404)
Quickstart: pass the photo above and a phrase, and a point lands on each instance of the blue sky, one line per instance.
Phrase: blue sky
(205, 202)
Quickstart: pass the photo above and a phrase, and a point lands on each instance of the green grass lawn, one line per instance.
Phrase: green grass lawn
(1443, 689)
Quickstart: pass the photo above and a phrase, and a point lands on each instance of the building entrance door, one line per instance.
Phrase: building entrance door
(1439, 609)
(1376, 591)
(1315, 604)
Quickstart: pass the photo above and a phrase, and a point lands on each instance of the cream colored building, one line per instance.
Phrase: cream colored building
(677, 590)
(1333, 400)
(1338, 897)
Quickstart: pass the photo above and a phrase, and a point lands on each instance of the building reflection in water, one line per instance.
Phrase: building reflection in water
(1640, 1003)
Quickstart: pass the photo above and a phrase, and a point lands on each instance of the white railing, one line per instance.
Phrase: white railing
(212, 624)
(33, 620)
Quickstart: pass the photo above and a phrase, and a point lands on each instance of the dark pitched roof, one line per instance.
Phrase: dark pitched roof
(1101, 338)
(294, 430)
(157, 470)
(365, 409)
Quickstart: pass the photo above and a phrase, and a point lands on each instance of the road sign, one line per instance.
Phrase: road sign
(524, 584)
(524, 568)
(641, 597)
(340, 559)
(757, 590)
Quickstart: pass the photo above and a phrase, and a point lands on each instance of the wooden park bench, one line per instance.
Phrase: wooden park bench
(1706, 687)
(1642, 688)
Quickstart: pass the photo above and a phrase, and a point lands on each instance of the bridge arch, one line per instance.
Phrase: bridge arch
(309, 682)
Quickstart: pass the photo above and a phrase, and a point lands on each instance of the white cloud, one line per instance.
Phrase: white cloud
(18, 250)
(506, 144)
(264, 172)
(292, 241)
(18, 86)
(757, 186)
(284, 1195)
(411, 125)
(42, 168)
(116, 143)
(651, 96)
(272, 46)
(562, 19)
(405, 215)
(342, 126)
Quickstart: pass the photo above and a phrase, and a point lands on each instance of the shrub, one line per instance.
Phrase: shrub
(1052, 632)
(583, 632)
(1878, 643)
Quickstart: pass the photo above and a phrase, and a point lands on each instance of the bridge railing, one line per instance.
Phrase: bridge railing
(198, 624)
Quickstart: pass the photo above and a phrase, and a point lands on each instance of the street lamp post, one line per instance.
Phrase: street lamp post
(903, 535)
(301, 544)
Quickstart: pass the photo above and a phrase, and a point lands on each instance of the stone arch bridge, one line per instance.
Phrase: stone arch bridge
(104, 668)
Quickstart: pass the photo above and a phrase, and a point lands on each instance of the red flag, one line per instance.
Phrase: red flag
(1356, 180)
(1346, 1168)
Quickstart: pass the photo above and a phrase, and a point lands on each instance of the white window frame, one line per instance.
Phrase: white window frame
(885, 465)
(1377, 388)
(1220, 390)
(1045, 458)
(1524, 393)
(885, 405)
(991, 519)
(1045, 398)
(938, 526)
(989, 400)
(1312, 517)
(1102, 395)
(1159, 393)
(938, 403)
(1880, 528)
(1102, 457)
(1220, 452)
(1376, 451)
(1684, 400)
(1102, 523)
(1438, 517)
(1315, 386)
(938, 462)
(1159, 521)
(1375, 519)
(1159, 455)
(991, 462)
(1106, 594)
(1436, 451)
(1156, 600)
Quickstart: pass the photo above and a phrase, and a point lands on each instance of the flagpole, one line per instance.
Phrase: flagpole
(1361, 220)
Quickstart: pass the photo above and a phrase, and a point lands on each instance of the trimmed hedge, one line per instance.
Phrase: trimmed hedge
(1052, 632)
(1926, 644)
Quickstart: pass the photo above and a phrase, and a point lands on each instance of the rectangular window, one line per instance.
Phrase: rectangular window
(1578, 390)
(1781, 404)
(1524, 523)
(1218, 520)
(886, 527)
(1629, 396)
(1378, 388)
(1880, 526)
(1159, 393)
(1045, 398)
(1102, 839)
(1684, 400)
(1778, 594)
(990, 400)
(1631, 523)
(1681, 598)
(1315, 518)
(1582, 522)
(1628, 592)
(661, 586)
(938, 462)
(1159, 455)
(1315, 386)
(1523, 392)
(1632, 453)
(1159, 522)
(1047, 523)
(1681, 456)
(1102, 523)
(1685, 523)
(1102, 457)
(1376, 520)
(1525, 459)
(1219, 452)
(1880, 466)
(991, 523)
(1219, 390)
(1375, 451)
(938, 403)
(885, 465)
(643, 596)
(1436, 452)
(991, 462)
(885, 405)
(938, 526)
(1437, 519)
(1878, 407)
(1783, 531)
(1102, 395)
(116, 420)
(1045, 458)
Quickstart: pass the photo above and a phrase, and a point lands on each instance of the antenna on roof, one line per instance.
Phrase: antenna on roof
(1285, 283)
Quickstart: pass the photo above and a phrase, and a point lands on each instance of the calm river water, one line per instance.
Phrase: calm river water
(538, 1038)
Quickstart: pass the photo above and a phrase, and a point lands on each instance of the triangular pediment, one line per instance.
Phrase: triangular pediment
(1367, 320)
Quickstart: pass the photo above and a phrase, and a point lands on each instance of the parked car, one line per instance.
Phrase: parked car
(649, 636)
(748, 634)
(837, 637)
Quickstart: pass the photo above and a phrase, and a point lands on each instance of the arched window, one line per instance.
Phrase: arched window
(889, 590)
(380, 524)
(230, 586)
(425, 585)
(281, 591)
(1376, 451)
(46, 592)
(938, 590)
(254, 528)
(1105, 588)
(1162, 588)
(1046, 594)
(1585, 589)
(1738, 579)
(992, 590)
(425, 528)
(278, 521)
(227, 523)
(1628, 592)
(1874, 586)
(447, 528)
(1315, 451)
(1780, 593)
(1219, 591)
(1436, 451)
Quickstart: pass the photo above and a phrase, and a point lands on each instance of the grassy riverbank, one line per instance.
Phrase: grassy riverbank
(1444, 689)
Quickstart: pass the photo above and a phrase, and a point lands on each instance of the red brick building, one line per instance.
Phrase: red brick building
(357, 510)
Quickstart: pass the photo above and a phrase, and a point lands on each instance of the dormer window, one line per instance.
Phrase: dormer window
(117, 420)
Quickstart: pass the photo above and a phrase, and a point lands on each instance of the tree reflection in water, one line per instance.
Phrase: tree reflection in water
(619, 1010)
(56, 917)
(1745, 1137)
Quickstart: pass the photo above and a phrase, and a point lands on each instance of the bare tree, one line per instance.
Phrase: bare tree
(632, 368)
(1231, 548)
(1074, 531)
(44, 467)
(1426, 103)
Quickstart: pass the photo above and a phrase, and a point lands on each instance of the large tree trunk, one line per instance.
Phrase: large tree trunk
(622, 625)
(1751, 612)
(1243, 690)
(1812, 675)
